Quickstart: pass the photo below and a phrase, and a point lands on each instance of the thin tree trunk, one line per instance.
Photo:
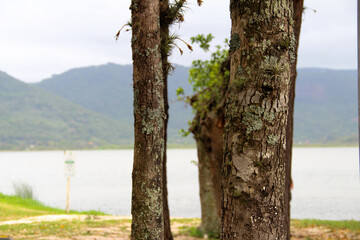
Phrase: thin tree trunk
(165, 66)
(167, 228)
(262, 51)
(298, 11)
(149, 113)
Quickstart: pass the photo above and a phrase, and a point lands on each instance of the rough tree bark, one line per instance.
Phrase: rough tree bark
(149, 113)
(298, 11)
(262, 51)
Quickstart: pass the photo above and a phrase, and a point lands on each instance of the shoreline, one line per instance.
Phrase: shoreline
(171, 148)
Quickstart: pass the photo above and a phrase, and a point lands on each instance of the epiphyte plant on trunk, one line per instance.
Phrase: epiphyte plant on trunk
(151, 45)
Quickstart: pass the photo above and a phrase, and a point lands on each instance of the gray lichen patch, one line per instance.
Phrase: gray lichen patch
(265, 44)
(269, 116)
(154, 120)
(292, 48)
(152, 200)
(252, 118)
(273, 139)
(155, 50)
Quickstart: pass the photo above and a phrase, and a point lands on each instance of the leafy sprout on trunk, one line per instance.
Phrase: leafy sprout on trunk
(207, 78)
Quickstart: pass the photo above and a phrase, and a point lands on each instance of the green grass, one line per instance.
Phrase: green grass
(13, 207)
(186, 220)
(351, 225)
(196, 233)
(62, 229)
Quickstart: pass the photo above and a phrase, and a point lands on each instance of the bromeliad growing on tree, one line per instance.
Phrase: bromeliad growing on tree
(151, 45)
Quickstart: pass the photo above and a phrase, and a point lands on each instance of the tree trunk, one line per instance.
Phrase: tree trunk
(298, 11)
(149, 113)
(262, 51)
(165, 67)
(209, 141)
(208, 130)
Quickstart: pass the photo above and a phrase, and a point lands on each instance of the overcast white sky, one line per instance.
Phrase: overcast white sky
(44, 37)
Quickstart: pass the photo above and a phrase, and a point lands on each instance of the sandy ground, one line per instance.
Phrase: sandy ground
(123, 231)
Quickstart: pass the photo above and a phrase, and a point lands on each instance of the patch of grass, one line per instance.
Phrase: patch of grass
(191, 231)
(13, 207)
(186, 220)
(63, 229)
(196, 232)
(351, 225)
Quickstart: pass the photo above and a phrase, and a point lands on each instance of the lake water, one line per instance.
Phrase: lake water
(326, 181)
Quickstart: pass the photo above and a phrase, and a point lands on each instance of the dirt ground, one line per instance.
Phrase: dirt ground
(122, 231)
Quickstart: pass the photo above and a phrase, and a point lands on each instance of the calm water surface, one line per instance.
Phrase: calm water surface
(326, 181)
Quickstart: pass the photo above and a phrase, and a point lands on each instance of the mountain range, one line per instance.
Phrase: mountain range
(91, 107)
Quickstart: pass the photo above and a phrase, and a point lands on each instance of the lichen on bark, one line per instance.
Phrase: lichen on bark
(256, 120)
(149, 114)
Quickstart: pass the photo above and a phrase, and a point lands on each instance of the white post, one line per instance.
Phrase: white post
(67, 194)
(69, 172)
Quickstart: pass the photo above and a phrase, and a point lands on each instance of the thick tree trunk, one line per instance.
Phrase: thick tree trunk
(298, 11)
(262, 51)
(149, 113)
(209, 141)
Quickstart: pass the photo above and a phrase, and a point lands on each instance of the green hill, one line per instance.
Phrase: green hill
(92, 107)
(107, 89)
(326, 106)
(33, 118)
(104, 89)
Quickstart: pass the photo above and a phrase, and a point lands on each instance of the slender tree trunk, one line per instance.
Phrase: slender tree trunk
(298, 11)
(167, 228)
(165, 66)
(149, 113)
(262, 51)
